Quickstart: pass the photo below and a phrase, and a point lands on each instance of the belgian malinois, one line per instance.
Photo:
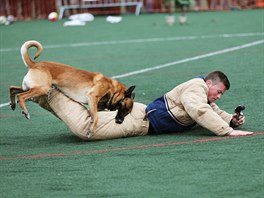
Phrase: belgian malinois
(92, 88)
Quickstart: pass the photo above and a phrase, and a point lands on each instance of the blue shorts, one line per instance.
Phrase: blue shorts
(162, 120)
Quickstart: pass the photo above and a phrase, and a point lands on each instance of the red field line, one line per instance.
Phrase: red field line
(126, 148)
(20, 115)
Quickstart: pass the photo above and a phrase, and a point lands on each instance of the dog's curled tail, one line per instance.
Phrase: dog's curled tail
(24, 52)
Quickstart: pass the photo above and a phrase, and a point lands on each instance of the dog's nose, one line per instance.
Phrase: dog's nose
(119, 120)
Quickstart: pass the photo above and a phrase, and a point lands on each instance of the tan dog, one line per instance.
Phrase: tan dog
(91, 88)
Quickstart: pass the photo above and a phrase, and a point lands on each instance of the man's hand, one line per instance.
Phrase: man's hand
(240, 133)
(238, 120)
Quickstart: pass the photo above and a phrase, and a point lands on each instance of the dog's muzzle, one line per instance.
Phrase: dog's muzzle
(119, 120)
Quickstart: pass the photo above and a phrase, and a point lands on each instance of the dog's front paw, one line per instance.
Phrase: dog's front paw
(26, 114)
(90, 129)
(89, 132)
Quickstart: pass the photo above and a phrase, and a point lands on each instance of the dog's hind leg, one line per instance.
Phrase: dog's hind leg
(13, 91)
(33, 92)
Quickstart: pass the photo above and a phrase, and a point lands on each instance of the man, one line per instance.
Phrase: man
(180, 109)
(192, 102)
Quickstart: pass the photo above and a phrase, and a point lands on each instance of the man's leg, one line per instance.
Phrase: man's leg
(42, 101)
(72, 113)
(77, 118)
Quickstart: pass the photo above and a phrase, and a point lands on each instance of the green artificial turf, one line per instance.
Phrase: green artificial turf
(40, 157)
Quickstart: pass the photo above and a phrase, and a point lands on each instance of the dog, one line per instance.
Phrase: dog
(92, 88)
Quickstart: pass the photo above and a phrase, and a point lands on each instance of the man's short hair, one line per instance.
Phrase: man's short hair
(218, 76)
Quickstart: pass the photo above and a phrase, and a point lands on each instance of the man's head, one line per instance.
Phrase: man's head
(217, 83)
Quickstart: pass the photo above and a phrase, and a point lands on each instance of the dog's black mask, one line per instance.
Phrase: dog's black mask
(124, 106)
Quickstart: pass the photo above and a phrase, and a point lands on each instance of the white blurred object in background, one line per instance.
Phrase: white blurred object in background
(113, 19)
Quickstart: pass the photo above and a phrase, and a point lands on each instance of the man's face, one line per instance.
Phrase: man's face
(215, 91)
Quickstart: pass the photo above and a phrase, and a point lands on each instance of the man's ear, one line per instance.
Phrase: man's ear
(209, 83)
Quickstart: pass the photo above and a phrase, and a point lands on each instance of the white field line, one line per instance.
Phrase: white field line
(182, 61)
(189, 59)
(4, 104)
(85, 44)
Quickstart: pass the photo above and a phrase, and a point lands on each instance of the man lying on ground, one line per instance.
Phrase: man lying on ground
(180, 109)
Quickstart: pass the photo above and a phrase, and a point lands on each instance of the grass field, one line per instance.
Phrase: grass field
(40, 157)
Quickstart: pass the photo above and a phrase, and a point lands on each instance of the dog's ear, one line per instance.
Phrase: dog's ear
(129, 91)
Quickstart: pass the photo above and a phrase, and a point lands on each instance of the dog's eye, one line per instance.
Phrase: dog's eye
(116, 106)
(119, 105)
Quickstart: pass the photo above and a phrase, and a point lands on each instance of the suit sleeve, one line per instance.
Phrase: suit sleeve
(194, 100)
(224, 115)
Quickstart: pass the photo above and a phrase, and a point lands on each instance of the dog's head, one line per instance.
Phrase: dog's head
(124, 105)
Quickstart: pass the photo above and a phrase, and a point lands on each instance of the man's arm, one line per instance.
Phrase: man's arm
(227, 117)
(194, 100)
(233, 120)
(235, 123)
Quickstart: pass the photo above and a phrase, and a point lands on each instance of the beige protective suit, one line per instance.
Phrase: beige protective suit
(188, 103)
(77, 118)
